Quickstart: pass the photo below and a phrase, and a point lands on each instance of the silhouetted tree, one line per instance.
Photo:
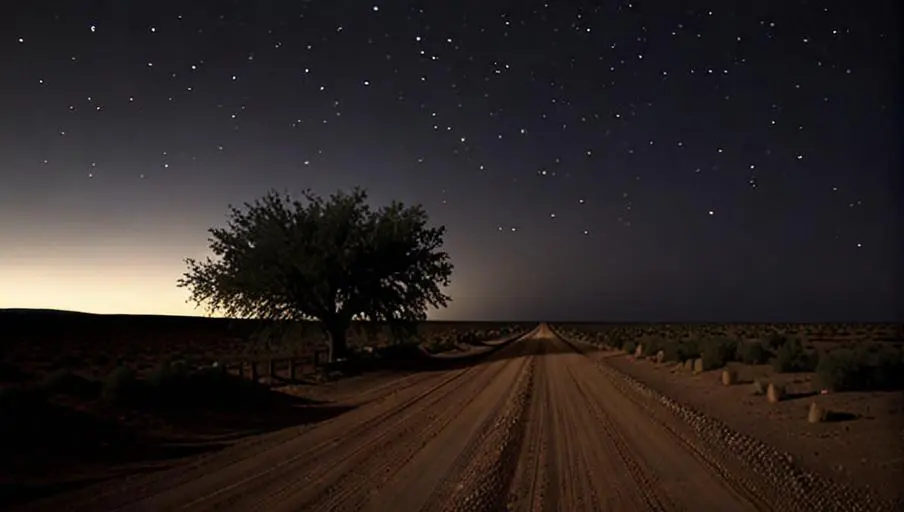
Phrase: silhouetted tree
(332, 260)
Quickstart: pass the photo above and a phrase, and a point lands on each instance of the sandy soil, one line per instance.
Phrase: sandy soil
(865, 450)
(538, 425)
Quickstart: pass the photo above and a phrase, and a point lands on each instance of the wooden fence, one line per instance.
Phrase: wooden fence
(278, 367)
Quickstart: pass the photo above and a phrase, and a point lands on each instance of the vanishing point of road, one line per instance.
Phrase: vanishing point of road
(537, 425)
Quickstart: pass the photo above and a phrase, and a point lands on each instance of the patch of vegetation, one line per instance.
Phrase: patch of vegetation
(874, 367)
(753, 352)
(717, 352)
(681, 350)
(653, 344)
(168, 375)
(65, 382)
(121, 386)
(776, 340)
(353, 261)
(791, 357)
(629, 347)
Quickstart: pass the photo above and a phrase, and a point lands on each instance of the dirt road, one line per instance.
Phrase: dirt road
(537, 426)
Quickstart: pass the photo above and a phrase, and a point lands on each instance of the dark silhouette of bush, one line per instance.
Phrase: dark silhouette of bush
(630, 347)
(791, 357)
(681, 350)
(717, 352)
(121, 387)
(871, 368)
(753, 352)
(168, 375)
(776, 340)
(65, 382)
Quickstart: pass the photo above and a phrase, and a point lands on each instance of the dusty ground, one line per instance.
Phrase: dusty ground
(865, 449)
(536, 426)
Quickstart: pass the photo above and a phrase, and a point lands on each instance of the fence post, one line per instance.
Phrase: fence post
(254, 375)
(292, 369)
(316, 358)
(271, 368)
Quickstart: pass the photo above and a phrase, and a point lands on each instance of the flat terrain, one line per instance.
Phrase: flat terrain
(537, 425)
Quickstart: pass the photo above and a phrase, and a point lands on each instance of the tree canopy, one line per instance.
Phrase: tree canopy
(333, 260)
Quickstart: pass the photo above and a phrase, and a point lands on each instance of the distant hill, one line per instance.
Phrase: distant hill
(27, 311)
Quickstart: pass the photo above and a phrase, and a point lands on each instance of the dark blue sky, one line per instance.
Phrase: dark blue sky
(629, 161)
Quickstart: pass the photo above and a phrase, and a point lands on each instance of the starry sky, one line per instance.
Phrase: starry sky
(623, 160)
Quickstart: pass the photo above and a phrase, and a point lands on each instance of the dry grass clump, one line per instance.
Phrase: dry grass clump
(698, 366)
(775, 393)
(866, 367)
(729, 377)
(817, 413)
(753, 352)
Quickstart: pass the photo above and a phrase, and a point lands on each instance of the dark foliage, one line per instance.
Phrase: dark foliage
(864, 368)
(717, 352)
(335, 260)
(753, 352)
(791, 357)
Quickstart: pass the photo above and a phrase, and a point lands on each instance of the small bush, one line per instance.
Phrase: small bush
(791, 357)
(121, 386)
(629, 347)
(776, 340)
(690, 348)
(753, 352)
(652, 345)
(717, 352)
(866, 368)
(64, 382)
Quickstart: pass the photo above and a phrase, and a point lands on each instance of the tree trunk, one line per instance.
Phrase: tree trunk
(338, 341)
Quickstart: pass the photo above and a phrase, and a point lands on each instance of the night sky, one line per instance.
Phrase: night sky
(641, 160)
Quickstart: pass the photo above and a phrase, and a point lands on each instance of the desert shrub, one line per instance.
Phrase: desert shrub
(776, 340)
(629, 347)
(791, 357)
(671, 352)
(753, 352)
(63, 381)
(680, 350)
(867, 368)
(716, 352)
(652, 345)
(121, 386)
(168, 375)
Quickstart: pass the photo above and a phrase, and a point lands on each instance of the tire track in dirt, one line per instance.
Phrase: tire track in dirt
(257, 468)
(131, 490)
(604, 453)
(268, 485)
(482, 474)
(529, 479)
(348, 483)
